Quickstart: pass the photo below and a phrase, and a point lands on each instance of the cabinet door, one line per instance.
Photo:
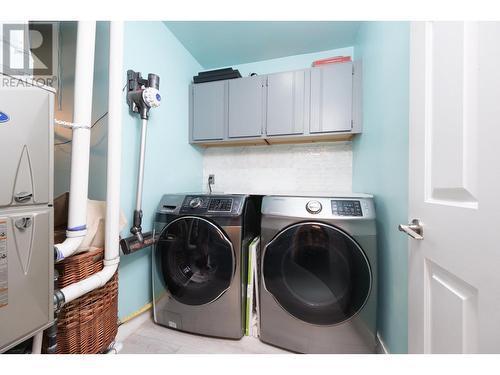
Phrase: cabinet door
(208, 111)
(26, 272)
(331, 98)
(26, 151)
(246, 107)
(286, 103)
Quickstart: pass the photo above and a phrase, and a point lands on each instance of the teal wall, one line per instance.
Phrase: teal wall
(380, 164)
(294, 62)
(172, 165)
(217, 43)
(380, 153)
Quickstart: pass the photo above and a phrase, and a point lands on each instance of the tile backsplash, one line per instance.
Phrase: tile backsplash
(299, 169)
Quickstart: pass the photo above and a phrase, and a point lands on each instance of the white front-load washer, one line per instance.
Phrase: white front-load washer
(318, 274)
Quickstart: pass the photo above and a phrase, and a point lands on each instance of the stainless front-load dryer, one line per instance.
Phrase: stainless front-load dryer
(318, 274)
(199, 262)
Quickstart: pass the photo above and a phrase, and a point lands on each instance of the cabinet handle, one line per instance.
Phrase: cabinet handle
(23, 197)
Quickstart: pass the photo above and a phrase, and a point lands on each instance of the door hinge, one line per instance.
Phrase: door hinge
(353, 70)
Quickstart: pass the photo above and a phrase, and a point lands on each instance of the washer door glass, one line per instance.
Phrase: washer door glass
(196, 260)
(317, 273)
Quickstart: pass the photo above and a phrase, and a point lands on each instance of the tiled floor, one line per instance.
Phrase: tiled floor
(150, 338)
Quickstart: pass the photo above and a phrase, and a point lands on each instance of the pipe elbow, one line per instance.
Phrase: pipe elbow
(68, 247)
(107, 273)
(97, 280)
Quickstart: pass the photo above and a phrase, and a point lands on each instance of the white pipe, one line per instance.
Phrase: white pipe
(68, 247)
(111, 249)
(36, 347)
(97, 280)
(80, 152)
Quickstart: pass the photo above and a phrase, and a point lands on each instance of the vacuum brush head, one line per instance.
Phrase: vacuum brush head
(132, 244)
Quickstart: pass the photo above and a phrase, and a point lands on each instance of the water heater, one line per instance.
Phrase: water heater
(26, 212)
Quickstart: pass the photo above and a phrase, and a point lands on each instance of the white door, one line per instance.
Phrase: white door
(454, 272)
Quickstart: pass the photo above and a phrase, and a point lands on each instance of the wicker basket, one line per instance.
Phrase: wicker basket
(87, 325)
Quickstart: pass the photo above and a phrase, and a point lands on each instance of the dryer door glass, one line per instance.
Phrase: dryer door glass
(317, 273)
(196, 260)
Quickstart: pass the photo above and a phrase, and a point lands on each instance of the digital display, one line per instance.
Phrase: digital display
(220, 204)
(346, 208)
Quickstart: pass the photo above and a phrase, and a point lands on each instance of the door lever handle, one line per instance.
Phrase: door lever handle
(415, 229)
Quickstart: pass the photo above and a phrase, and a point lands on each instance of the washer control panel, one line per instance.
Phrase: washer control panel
(206, 204)
(220, 204)
(346, 208)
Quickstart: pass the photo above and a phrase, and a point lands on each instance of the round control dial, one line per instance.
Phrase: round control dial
(313, 207)
(195, 202)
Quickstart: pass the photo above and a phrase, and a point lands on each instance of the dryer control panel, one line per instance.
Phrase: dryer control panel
(347, 208)
(353, 207)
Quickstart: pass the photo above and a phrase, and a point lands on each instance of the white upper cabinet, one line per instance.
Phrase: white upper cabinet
(247, 104)
(208, 111)
(315, 104)
(287, 103)
(331, 98)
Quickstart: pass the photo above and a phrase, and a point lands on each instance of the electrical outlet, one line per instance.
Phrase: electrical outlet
(211, 179)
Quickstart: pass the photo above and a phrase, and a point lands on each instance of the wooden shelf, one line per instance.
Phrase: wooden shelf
(279, 140)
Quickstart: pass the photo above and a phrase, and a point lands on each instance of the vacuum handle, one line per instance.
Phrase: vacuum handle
(142, 157)
(136, 229)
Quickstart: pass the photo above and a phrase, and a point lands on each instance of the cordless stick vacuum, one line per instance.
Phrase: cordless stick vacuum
(142, 95)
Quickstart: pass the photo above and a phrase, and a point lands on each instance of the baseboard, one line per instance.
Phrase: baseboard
(146, 307)
(381, 347)
(131, 323)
